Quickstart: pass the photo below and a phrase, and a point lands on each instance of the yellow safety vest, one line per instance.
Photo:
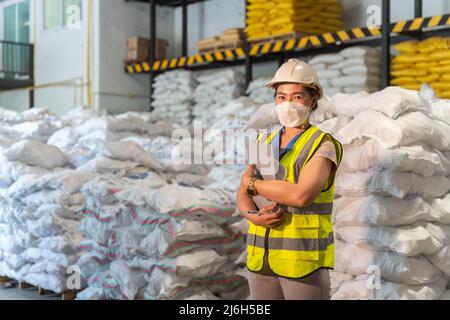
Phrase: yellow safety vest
(304, 242)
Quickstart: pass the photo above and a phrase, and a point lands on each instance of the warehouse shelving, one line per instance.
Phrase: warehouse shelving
(419, 27)
(169, 3)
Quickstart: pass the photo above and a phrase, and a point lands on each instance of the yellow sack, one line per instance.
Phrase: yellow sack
(429, 78)
(330, 15)
(255, 13)
(403, 80)
(445, 77)
(328, 2)
(256, 7)
(444, 86)
(258, 35)
(432, 44)
(280, 20)
(410, 58)
(425, 65)
(408, 73)
(407, 47)
(440, 69)
(444, 94)
(411, 86)
(284, 30)
(332, 22)
(444, 62)
(440, 55)
(399, 66)
(293, 6)
(335, 8)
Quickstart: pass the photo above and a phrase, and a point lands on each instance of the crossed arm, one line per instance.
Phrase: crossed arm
(311, 182)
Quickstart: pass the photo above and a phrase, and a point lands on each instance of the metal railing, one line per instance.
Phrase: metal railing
(16, 60)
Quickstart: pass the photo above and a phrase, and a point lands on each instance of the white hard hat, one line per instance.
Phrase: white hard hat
(297, 71)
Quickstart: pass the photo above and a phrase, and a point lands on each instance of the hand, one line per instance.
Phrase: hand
(269, 217)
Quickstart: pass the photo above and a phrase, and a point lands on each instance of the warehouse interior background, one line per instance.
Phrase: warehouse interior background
(73, 68)
(125, 129)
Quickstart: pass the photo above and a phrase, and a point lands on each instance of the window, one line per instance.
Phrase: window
(16, 28)
(16, 25)
(59, 13)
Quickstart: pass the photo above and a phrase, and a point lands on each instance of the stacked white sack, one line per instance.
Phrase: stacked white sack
(36, 124)
(146, 242)
(215, 89)
(350, 71)
(173, 96)
(82, 144)
(227, 137)
(441, 258)
(392, 215)
(259, 92)
(39, 213)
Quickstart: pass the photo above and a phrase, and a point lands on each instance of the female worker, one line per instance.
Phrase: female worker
(290, 239)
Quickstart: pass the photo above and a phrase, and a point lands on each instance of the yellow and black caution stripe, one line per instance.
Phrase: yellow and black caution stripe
(332, 38)
(313, 41)
(421, 23)
(198, 59)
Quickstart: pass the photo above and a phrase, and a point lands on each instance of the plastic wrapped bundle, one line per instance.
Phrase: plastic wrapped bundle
(267, 18)
(392, 214)
(259, 93)
(351, 70)
(420, 62)
(215, 90)
(173, 96)
(157, 241)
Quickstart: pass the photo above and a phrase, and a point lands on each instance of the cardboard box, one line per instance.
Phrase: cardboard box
(138, 42)
(142, 54)
(208, 42)
(231, 38)
(233, 31)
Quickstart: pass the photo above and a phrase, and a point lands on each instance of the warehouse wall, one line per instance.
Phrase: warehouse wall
(61, 56)
(116, 91)
(60, 60)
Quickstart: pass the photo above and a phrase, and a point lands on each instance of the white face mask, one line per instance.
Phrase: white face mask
(291, 114)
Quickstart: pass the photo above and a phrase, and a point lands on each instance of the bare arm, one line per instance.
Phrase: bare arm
(245, 203)
(311, 182)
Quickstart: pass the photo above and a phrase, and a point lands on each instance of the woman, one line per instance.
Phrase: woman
(290, 241)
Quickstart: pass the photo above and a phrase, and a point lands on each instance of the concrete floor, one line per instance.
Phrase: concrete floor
(26, 294)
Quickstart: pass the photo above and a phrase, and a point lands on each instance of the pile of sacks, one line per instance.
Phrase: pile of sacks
(35, 124)
(267, 18)
(40, 206)
(215, 89)
(426, 61)
(259, 92)
(350, 71)
(392, 212)
(94, 192)
(173, 96)
(151, 240)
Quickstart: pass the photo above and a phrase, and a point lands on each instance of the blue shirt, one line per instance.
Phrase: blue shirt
(277, 142)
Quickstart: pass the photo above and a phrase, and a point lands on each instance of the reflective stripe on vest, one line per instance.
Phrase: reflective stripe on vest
(304, 242)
